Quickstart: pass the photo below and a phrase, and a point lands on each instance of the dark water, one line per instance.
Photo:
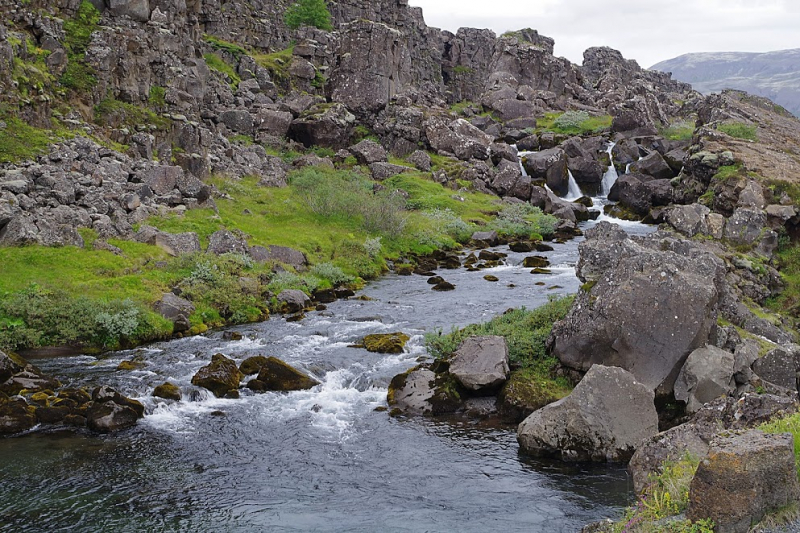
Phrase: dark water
(319, 460)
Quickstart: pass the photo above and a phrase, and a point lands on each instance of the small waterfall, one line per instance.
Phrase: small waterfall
(574, 191)
(628, 168)
(611, 176)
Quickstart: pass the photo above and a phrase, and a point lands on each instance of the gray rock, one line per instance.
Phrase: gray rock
(382, 171)
(19, 231)
(744, 477)
(481, 363)
(225, 242)
(550, 165)
(323, 125)
(457, 137)
(272, 122)
(163, 179)
(605, 418)
(779, 366)
(109, 417)
(293, 301)
(745, 226)
(279, 254)
(176, 244)
(706, 375)
(138, 10)
(176, 309)
(220, 376)
(689, 219)
(489, 237)
(238, 120)
(368, 152)
(653, 165)
(419, 391)
(421, 160)
(674, 287)
(10, 365)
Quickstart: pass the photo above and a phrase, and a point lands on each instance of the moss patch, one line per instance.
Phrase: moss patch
(386, 342)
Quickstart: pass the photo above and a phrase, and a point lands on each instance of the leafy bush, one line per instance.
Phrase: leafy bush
(523, 221)
(447, 222)
(373, 246)
(526, 332)
(331, 273)
(290, 281)
(308, 13)
(571, 119)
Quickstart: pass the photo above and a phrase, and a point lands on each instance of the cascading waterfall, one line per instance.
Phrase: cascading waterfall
(611, 175)
(574, 190)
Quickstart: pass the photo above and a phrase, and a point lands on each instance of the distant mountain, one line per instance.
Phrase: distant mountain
(775, 75)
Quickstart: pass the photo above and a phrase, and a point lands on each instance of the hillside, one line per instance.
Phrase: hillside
(774, 75)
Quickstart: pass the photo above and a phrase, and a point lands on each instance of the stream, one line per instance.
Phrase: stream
(318, 460)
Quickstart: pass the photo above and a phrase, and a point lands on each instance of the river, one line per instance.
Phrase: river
(319, 460)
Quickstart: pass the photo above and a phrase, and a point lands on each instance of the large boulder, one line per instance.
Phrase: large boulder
(457, 137)
(276, 375)
(653, 165)
(220, 376)
(549, 165)
(367, 152)
(779, 366)
(744, 477)
(175, 309)
(706, 375)
(745, 226)
(176, 244)
(648, 304)
(326, 125)
(10, 364)
(225, 242)
(279, 254)
(16, 416)
(138, 10)
(605, 418)
(386, 342)
(481, 363)
(293, 300)
(110, 411)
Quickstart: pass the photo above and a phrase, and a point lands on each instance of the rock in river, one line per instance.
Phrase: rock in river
(481, 363)
(275, 375)
(605, 418)
(386, 342)
(220, 376)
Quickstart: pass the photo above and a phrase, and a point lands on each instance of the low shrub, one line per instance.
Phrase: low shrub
(523, 221)
(308, 13)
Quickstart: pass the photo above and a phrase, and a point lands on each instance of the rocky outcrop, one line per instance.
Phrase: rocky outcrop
(674, 286)
(605, 418)
(481, 363)
(744, 477)
(221, 376)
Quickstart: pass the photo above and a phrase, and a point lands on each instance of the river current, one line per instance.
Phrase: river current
(318, 460)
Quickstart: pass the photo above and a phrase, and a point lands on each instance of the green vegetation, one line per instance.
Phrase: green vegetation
(461, 70)
(225, 46)
(30, 69)
(157, 97)
(523, 221)
(459, 107)
(787, 303)
(789, 424)
(739, 130)
(729, 172)
(308, 13)
(573, 123)
(20, 141)
(665, 498)
(216, 63)
(114, 113)
(679, 131)
(78, 75)
(526, 332)
(277, 63)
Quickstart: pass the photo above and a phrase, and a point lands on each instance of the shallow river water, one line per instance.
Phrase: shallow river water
(319, 460)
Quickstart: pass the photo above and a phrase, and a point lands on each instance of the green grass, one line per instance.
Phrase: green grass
(115, 113)
(660, 506)
(572, 123)
(729, 172)
(157, 96)
(789, 424)
(277, 63)
(225, 46)
(787, 303)
(216, 63)
(739, 130)
(679, 131)
(20, 141)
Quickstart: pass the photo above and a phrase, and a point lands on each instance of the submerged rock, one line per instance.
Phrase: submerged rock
(276, 375)
(220, 376)
(386, 342)
(605, 418)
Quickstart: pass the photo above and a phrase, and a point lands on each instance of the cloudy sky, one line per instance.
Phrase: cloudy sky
(646, 30)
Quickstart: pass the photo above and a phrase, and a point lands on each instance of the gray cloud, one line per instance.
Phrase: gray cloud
(646, 31)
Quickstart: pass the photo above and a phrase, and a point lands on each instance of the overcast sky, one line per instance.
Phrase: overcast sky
(648, 31)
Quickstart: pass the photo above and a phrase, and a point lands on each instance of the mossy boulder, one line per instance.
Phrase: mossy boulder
(16, 416)
(252, 365)
(535, 261)
(10, 364)
(109, 417)
(386, 342)
(526, 391)
(420, 391)
(219, 376)
(276, 375)
(133, 364)
(168, 391)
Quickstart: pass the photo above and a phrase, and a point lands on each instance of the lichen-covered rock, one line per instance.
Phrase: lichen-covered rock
(176, 309)
(225, 242)
(220, 376)
(481, 363)
(276, 375)
(176, 244)
(168, 391)
(707, 374)
(10, 364)
(744, 477)
(279, 254)
(16, 416)
(779, 366)
(422, 392)
(605, 418)
(324, 125)
(110, 411)
(386, 342)
(368, 152)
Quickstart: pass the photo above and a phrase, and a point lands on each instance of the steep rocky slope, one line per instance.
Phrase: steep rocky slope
(774, 75)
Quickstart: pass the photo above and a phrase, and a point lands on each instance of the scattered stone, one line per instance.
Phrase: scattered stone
(293, 301)
(444, 286)
(420, 391)
(535, 262)
(168, 391)
(489, 277)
